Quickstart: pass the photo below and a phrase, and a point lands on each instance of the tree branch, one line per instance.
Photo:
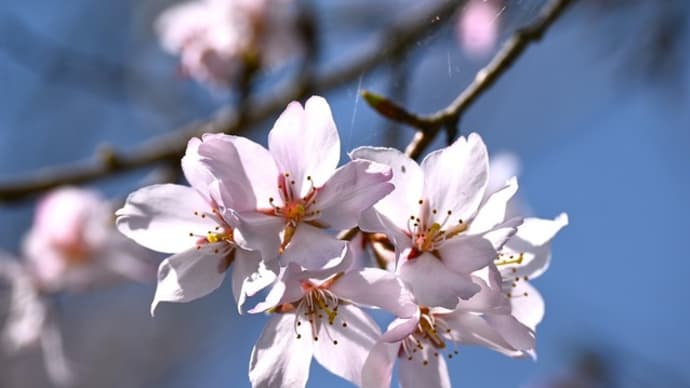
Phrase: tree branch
(449, 117)
(169, 148)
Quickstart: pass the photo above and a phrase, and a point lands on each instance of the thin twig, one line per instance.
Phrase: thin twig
(170, 147)
(449, 117)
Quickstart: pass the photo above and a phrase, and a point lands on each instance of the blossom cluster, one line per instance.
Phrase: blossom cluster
(451, 266)
(216, 39)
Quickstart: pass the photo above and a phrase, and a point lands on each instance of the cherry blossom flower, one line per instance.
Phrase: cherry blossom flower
(526, 256)
(193, 224)
(215, 38)
(73, 244)
(315, 313)
(437, 219)
(288, 197)
(478, 27)
(422, 342)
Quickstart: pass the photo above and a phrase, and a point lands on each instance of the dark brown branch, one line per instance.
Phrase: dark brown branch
(449, 117)
(169, 148)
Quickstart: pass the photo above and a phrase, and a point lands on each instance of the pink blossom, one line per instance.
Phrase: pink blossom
(316, 314)
(215, 38)
(196, 227)
(478, 27)
(288, 198)
(73, 243)
(438, 220)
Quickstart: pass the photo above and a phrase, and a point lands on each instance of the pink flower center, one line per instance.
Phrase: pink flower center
(430, 332)
(295, 209)
(428, 231)
(222, 232)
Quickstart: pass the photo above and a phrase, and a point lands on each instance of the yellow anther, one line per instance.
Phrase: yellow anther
(213, 237)
(511, 260)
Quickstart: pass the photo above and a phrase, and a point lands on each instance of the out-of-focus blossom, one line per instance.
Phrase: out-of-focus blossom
(73, 244)
(216, 38)
(31, 323)
(315, 313)
(478, 26)
(434, 218)
(288, 196)
(195, 225)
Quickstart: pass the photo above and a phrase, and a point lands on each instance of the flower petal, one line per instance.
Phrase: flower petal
(249, 275)
(485, 301)
(191, 274)
(532, 240)
(257, 231)
(407, 178)
(198, 175)
(519, 336)
(493, 211)
(373, 287)
(472, 329)
(305, 142)
(313, 248)
(345, 358)
(400, 328)
(466, 254)
(527, 304)
(433, 284)
(161, 217)
(247, 170)
(455, 177)
(425, 369)
(279, 359)
(378, 367)
(353, 188)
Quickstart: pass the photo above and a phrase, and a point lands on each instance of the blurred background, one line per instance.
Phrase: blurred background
(597, 113)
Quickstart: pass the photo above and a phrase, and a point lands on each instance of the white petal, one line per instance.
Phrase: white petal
(472, 329)
(400, 328)
(190, 275)
(493, 211)
(407, 178)
(257, 231)
(372, 287)
(433, 284)
(502, 233)
(415, 373)
(529, 310)
(519, 336)
(378, 367)
(249, 276)
(279, 359)
(305, 142)
(313, 248)
(198, 176)
(466, 254)
(161, 217)
(354, 342)
(286, 289)
(532, 240)
(487, 300)
(247, 170)
(353, 188)
(455, 177)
